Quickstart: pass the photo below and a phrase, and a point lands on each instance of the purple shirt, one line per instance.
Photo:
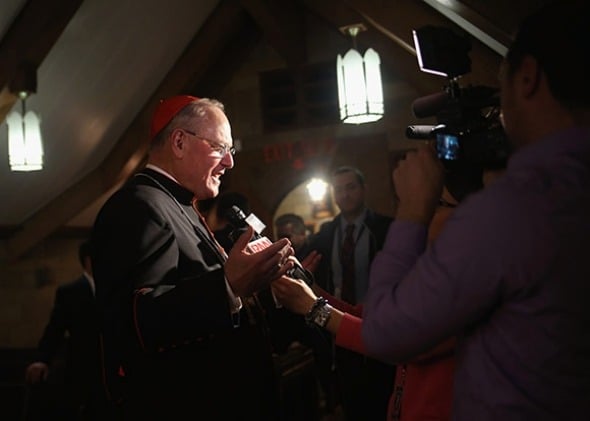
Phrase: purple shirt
(510, 276)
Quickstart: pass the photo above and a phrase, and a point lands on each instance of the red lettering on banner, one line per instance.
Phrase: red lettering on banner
(271, 153)
(297, 151)
(289, 151)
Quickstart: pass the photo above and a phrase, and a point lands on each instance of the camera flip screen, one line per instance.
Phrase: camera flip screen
(447, 146)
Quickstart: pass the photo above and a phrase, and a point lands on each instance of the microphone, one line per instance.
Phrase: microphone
(240, 222)
(430, 105)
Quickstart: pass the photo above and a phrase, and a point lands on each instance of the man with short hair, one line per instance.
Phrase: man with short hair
(363, 385)
(72, 327)
(507, 275)
(292, 227)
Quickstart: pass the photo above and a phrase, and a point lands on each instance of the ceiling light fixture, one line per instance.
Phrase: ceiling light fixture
(360, 92)
(317, 188)
(25, 146)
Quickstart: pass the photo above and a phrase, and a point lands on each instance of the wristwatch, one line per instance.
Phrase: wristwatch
(320, 313)
(323, 315)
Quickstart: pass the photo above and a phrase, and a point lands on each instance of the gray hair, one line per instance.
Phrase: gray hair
(194, 112)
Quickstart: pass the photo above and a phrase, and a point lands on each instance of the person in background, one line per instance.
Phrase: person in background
(72, 327)
(347, 245)
(287, 330)
(504, 275)
(183, 334)
(423, 385)
(292, 227)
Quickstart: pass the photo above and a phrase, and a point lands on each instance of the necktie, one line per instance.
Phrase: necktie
(347, 262)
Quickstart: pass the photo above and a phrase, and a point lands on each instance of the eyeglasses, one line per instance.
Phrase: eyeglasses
(219, 148)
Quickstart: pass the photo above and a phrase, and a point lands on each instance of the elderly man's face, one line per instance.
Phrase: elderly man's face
(204, 164)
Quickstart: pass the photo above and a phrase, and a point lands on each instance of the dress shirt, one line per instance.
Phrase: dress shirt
(509, 276)
(361, 256)
(90, 280)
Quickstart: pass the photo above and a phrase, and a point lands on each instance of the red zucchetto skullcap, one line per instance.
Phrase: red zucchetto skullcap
(166, 110)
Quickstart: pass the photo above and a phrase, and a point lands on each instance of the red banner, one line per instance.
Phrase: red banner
(297, 152)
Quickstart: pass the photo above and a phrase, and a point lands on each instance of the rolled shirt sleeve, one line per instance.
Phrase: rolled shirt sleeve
(419, 295)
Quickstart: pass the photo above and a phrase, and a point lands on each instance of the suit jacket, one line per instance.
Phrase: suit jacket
(165, 312)
(73, 323)
(364, 384)
(377, 226)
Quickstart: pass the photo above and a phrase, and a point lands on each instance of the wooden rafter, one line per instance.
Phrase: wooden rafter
(224, 27)
(281, 21)
(29, 39)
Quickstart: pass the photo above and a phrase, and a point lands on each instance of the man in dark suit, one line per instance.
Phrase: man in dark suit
(182, 331)
(72, 330)
(362, 385)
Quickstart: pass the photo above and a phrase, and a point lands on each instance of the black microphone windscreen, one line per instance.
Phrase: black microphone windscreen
(430, 105)
(236, 217)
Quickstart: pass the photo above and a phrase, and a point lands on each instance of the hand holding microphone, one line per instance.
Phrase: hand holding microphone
(238, 219)
(248, 271)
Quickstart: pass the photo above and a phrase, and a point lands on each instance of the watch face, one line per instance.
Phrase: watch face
(319, 313)
(323, 315)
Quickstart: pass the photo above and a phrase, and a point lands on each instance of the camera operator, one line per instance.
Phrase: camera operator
(505, 275)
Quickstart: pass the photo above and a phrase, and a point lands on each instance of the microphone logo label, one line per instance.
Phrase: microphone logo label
(259, 244)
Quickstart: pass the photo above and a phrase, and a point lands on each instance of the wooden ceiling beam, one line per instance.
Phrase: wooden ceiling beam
(227, 61)
(222, 28)
(29, 39)
(409, 14)
(390, 33)
(395, 57)
(206, 66)
(281, 22)
(486, 31)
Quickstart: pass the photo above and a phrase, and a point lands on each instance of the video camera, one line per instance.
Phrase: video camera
(468, 129)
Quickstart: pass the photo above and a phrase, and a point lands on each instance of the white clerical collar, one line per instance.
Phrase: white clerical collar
(90, 281)
(161, 171)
